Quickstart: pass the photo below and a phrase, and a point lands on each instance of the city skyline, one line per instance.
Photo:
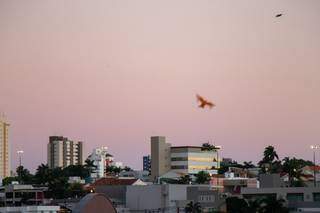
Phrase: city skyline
(105, 74)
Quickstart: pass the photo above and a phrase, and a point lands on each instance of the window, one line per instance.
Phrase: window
(316, 196)
(179, 167)
(179, 159)
(295, 197)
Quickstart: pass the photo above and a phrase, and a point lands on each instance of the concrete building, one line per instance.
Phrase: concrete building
(302, 199)
(63, 152)
(99, 158)
(173, 198)
(181, 159)
(193, 159)
(17, 195)
(4, 149)
(146, 163)
(160, 155)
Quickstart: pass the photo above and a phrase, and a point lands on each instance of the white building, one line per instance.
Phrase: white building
(99, 158)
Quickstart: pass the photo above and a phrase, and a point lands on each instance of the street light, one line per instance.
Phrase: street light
(20, 152)
(314, 148)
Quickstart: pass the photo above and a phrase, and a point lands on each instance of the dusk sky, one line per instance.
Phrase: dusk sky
(113, 73)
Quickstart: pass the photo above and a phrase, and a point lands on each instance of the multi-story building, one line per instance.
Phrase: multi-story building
(193, 159)
(146, 163)
(63, 152)
(4, 149)
(99, 157)
(160, 155)
(181, 159)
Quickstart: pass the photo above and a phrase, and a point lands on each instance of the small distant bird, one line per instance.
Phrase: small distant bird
(204, 102)
(278, 15)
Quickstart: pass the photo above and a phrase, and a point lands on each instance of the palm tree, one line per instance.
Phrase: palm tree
(89, 166)
(193, 207)
(43, 174)
(293, 168)
(270, 161)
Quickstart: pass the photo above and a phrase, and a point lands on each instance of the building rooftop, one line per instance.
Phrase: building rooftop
(115, 181)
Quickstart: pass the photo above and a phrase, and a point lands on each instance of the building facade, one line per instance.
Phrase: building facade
(63, 152)
(147, 163)
(4, 149)
(160, 155)
(99, 157)
(181, 159)
(193, 159)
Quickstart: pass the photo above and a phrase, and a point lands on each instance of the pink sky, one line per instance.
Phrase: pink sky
(113, 73)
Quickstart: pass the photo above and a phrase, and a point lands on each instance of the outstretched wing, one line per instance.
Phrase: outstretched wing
(210, 104)
(201, 99)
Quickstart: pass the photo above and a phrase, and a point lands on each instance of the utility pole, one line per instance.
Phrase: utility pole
(314, 148)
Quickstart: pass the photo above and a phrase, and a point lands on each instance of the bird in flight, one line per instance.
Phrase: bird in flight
(278, 15)
(204, 102)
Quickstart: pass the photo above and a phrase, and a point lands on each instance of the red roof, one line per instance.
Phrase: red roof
(317, 168)
(114, 181)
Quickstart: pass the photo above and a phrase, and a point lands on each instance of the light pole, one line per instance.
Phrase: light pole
(20, 152)
(314, 148)
(217, 148)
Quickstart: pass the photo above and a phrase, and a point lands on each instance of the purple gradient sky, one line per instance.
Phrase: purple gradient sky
(114, 73)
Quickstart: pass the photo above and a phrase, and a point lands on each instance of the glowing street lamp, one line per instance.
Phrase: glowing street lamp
(20, 152)
(314, 148)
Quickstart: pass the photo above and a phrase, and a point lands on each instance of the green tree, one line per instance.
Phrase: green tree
(202, 177)
(193, 207)
(236, 205)
(293, 168)
(43, 174)
(58, 184)
(76, 190)
(184, 179)
(76, 171)
(113, 170)
(8, 180)
(89, 166)
(126, 168)
(24, 176)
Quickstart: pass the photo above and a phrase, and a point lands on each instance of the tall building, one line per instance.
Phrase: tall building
(160, 155)
(100, 159)
(147, 163)
(4, 149)
(63, 152)
(181, 159)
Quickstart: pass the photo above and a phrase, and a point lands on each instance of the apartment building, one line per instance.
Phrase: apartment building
(181, 159)
(4, 149)
(63, 152)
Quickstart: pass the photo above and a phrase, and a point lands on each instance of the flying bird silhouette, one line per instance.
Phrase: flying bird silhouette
(204, 102)
(278, 15)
